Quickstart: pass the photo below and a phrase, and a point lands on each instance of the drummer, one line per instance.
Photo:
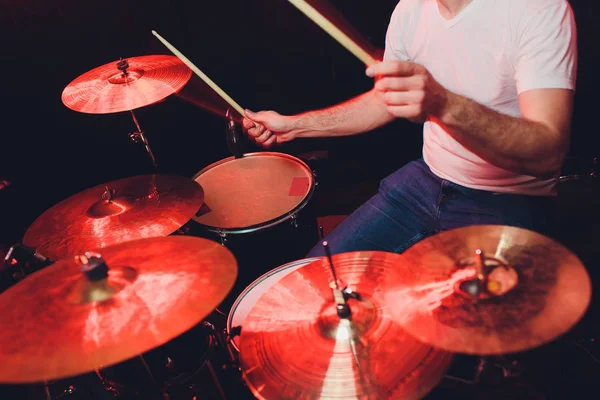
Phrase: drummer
(493, 83)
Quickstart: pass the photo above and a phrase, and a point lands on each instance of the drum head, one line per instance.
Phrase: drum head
(246, 300)
(252, 192)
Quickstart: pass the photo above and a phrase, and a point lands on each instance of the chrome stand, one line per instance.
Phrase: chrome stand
(139, 137)
(509, 368)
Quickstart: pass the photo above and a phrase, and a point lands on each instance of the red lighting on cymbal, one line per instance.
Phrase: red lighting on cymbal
(295, 345)
(126, 85)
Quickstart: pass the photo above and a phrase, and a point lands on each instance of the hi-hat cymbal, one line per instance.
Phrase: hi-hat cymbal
(293, 345)
(126, 209)
(107, 89)
(58, 323)
(536, 290)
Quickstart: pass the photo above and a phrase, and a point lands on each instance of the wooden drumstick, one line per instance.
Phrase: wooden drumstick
(201, 74)
(334, 31)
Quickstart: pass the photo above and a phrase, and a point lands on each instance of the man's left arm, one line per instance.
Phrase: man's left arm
(534, 144)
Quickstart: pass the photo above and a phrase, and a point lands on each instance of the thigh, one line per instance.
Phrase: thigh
(462, 207)
(395, 218)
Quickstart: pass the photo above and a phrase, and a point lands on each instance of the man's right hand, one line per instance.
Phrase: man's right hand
(267, 128)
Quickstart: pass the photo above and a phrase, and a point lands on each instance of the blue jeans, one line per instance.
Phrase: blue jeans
(413, 204)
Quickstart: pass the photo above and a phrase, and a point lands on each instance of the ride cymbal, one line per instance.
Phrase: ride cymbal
(126, 85)
(293, 344)
(535, 290)
(61, 322)
(119, 211)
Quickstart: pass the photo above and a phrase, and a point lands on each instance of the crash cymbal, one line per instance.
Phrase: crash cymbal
(60, 321)
(536, 290)
(126, 209)
(293, 345)
(126, 85)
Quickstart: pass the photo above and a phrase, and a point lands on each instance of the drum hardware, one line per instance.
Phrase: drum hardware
(19, 262)
(509, 369)
(542, 294)
(66, 392)
(340, 296)
(234, 136)
(293, 220)
(110, 213)
(176, 378)
(21, 254)
(483, 285)
(222, 237)
(139, 137)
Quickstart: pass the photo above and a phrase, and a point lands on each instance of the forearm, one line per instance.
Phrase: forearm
(358, 115)
(511, 143)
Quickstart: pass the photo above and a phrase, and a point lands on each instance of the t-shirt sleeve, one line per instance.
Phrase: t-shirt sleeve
(394, 48)
(546, 56)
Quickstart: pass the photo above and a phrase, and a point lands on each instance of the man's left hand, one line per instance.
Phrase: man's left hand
(409, 90)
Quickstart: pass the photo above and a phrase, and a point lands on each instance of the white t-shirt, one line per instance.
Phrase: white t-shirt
(491, 52)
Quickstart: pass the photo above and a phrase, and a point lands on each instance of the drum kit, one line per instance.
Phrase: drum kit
(126, 300)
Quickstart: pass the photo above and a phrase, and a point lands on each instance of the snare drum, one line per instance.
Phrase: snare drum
(254, 192)
(258, 206)
(248, 298)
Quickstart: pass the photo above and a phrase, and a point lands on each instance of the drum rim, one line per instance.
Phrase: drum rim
(254, 284)
(574, 177)
(272, 222)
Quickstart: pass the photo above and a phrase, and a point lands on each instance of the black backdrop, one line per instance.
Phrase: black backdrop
(264, 53)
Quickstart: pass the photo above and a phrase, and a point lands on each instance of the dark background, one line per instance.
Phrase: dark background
(264, 53)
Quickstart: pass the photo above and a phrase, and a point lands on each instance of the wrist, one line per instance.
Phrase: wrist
(449, 102)
(294, 125)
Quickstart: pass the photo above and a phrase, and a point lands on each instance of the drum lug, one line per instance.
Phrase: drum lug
(314, 174)
(294, 221)
(223, 237)
(184, 230)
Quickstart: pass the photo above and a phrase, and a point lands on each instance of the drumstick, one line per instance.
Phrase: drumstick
(334, 31)
(201, 74)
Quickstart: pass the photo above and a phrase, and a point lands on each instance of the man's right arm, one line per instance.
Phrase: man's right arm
(358, 115)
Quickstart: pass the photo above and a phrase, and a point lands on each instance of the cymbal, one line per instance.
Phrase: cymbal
(57, 323)
(106, 89)
(293, 344)
(536, 291)
(132, 208)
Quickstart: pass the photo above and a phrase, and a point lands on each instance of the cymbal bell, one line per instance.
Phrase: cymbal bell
(110, 213)
(293, 344)
(126, 85)
(535, 290)
(69, 318)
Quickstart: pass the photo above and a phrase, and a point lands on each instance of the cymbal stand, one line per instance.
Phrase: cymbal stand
(510, 369)
(477, 289)
(342, 307)
(340, 296)
(47, 394)
(139, 137)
